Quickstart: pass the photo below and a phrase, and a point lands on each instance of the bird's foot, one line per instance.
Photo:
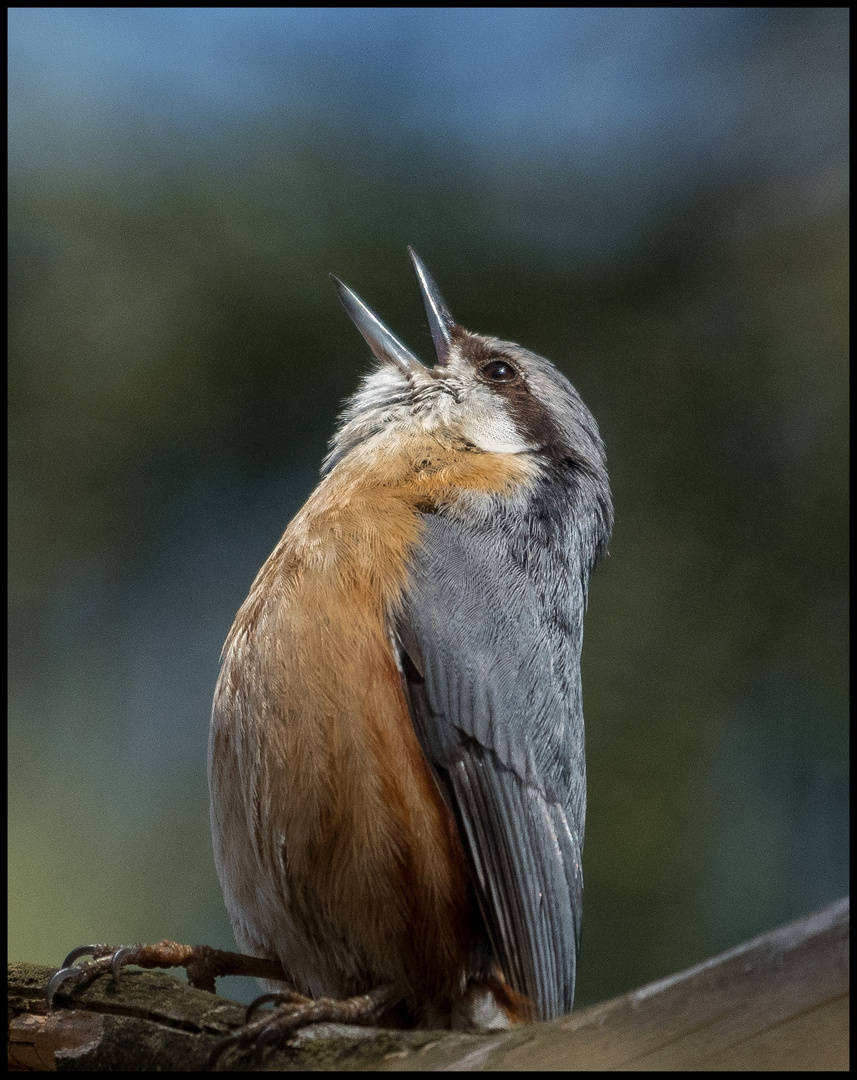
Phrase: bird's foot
(202, 963)
(293, 1011)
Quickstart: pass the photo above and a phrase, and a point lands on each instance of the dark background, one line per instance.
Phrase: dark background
(656, 199)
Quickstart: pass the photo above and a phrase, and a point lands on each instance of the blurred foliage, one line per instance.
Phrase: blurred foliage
(177, 360)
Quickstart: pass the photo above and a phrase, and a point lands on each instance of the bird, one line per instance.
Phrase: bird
(396, 758)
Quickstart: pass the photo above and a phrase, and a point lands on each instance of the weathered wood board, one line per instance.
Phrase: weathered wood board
(777, 1002)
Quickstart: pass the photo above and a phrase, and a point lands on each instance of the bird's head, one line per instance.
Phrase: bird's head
(482, 393)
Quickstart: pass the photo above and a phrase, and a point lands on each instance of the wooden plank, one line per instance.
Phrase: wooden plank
(777, 1002)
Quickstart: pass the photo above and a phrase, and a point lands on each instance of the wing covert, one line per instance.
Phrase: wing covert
(492, 678)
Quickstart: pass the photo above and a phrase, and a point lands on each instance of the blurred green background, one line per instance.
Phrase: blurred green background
(656, 199)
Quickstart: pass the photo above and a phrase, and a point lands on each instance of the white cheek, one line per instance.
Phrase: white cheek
(490, 428)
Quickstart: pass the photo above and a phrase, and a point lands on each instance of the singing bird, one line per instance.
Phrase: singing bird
(396, 760)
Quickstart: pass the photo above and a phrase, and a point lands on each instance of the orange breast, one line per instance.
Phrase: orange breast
(324, 788)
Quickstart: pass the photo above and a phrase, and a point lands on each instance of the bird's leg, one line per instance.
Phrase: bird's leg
(293, 1011)
(202, 963)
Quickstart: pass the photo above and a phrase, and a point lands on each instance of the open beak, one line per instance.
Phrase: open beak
(383, 342)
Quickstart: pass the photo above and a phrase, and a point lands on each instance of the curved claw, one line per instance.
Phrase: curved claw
(281, 997)
(62, 976)
(366, 1009)
(264, 1039)
(235, 1039)
(84, 950)
(120, 957)
(102, 955)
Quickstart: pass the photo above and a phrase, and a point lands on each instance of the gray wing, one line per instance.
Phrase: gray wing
(491, 663)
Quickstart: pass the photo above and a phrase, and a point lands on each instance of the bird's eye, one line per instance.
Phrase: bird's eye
(499, 371)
